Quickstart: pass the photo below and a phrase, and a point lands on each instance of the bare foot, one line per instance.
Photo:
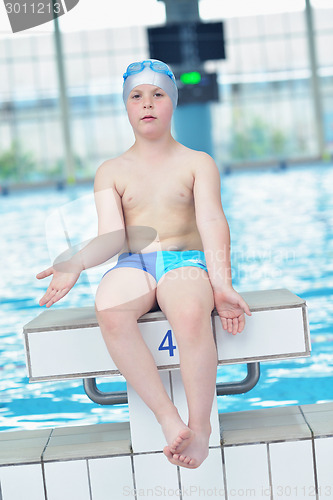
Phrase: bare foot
(194, 454)
(177, 434)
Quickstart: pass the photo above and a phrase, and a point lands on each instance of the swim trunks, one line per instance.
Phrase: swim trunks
(159, 263)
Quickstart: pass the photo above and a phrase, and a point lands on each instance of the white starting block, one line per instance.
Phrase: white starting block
(68, 344)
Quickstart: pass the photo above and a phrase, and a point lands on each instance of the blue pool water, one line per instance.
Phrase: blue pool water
(281, 225)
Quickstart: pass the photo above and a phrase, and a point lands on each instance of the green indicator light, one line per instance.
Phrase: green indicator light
(191, 78)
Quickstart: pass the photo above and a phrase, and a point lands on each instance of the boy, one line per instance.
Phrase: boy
(178, 260)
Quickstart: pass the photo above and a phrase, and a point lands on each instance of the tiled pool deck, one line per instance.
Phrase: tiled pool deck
(283, 452)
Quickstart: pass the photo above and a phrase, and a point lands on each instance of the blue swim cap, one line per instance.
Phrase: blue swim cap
(153, 72)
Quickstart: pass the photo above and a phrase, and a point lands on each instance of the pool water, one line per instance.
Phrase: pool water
(281, 227)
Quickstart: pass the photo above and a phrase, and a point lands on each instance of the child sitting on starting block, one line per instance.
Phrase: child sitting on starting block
(159, 207)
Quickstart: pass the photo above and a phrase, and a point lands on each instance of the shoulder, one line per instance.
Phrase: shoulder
(204, 165)
(106, 170)
(107, 173)
(205, 160)
(199, 160)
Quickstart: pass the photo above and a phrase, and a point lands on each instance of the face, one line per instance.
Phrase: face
(149, 110)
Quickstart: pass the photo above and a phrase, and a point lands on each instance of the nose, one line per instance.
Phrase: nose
(148, 104)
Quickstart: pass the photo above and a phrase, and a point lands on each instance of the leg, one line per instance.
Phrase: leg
(122, 297)
(186, 297)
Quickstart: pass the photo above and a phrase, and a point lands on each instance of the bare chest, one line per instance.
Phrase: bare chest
(157, 192)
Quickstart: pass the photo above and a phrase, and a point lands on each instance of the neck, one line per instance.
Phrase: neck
(149, 148)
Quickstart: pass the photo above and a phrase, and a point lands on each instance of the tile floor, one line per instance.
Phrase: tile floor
(271, 453)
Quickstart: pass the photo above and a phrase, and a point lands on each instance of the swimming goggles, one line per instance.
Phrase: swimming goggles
(157, 66)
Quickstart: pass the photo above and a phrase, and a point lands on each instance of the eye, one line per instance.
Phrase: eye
(136, 96)
(159, 94)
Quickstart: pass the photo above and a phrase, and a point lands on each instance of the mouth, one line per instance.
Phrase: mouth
(148, 118)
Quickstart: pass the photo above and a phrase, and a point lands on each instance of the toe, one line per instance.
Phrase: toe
(174, 446)
(167, 452)
(181, 441)
(170, 456)
(186, 460)
(180, 460)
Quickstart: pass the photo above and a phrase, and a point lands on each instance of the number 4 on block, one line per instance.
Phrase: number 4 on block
(167, 343)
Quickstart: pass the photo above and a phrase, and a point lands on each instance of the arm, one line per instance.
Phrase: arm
(111, 235)
(111, 229)
(215, 235)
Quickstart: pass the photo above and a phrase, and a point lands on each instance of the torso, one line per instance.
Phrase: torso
(158, 196)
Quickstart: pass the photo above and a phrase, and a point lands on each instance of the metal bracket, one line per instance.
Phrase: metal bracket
(103, 398)
(245, 385)
(222, 389)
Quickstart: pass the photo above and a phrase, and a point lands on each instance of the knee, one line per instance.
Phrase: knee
(112, 321)
(193, 319)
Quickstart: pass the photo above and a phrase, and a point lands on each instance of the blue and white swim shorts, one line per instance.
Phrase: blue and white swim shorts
(159, 263)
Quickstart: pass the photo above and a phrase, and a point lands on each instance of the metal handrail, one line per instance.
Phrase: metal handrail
(103, 398)
(245, 385)
(222, 389)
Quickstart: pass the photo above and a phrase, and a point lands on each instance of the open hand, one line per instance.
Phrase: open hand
(231, 307)
(60, 285)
